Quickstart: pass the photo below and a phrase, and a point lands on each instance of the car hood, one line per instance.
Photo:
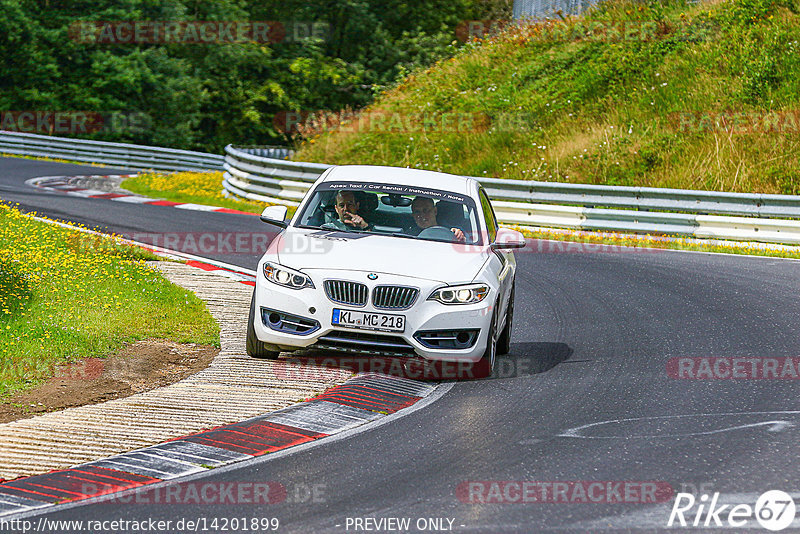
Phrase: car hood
(430, 260)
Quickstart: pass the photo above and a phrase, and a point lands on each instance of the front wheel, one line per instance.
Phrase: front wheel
(255, 347)
(504, 341)
(484, 367)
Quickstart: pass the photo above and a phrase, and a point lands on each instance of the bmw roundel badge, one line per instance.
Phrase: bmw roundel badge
(372, 276)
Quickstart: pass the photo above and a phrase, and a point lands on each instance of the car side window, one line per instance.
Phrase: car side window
(488, 215)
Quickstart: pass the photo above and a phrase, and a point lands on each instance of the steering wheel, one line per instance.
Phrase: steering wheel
(438, 233)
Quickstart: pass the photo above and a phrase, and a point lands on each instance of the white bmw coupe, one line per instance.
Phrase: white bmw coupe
(387, 261)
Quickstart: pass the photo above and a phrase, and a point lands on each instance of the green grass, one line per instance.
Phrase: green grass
(547, 102)
(66, 295)
(191, 187)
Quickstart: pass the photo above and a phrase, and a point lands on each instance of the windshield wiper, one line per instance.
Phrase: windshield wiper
(400, 234)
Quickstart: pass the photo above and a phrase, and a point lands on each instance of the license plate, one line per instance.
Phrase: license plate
(368, 321)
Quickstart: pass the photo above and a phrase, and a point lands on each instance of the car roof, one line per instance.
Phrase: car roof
(399, 176)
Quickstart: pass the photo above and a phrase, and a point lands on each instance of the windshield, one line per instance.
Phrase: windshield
(396, 210)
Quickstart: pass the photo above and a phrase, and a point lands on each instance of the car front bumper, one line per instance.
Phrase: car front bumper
(313, 306)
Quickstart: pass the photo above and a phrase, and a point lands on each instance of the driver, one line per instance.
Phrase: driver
(424, 211)
(347, 208)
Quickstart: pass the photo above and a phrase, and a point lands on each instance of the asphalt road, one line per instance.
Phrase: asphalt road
(593, 337)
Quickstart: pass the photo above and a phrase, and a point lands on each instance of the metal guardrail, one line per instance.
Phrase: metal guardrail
(260, 173)
(707, 214)
(267, 151)
(549, 9)
(255, 177)
(138, 157)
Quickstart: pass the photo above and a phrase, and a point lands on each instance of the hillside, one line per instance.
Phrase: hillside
(662, 94)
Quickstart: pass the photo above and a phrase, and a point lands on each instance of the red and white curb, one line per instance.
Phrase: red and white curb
(243, 276)
(363, 399)
(66, 185)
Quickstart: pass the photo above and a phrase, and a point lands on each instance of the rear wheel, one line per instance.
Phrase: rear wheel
(255, 347)
(504, 341)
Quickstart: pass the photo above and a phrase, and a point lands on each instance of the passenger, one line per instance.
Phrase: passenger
(347, 208)
(424, 211)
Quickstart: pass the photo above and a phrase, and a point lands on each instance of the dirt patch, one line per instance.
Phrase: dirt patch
(138, 367)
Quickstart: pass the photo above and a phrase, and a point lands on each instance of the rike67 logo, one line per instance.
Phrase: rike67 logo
(773, 510)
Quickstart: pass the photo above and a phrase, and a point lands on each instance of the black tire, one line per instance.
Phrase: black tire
(484, 367)
(255, 347)
(504, 341)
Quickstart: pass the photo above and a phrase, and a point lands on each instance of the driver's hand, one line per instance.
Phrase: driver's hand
(459, 235)
(355, 220)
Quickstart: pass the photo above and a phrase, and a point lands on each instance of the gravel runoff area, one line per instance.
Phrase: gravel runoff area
(233, 388)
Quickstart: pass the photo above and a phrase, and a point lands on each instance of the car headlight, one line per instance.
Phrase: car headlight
(469, 294)
(283, 276)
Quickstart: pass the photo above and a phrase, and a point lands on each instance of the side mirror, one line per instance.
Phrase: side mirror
(275, 215)
(508, 239)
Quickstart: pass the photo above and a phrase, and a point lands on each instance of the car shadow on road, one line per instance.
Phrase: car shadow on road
(529, 359)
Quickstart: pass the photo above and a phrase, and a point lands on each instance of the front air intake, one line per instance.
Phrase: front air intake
(287, 323)
(447, 339)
